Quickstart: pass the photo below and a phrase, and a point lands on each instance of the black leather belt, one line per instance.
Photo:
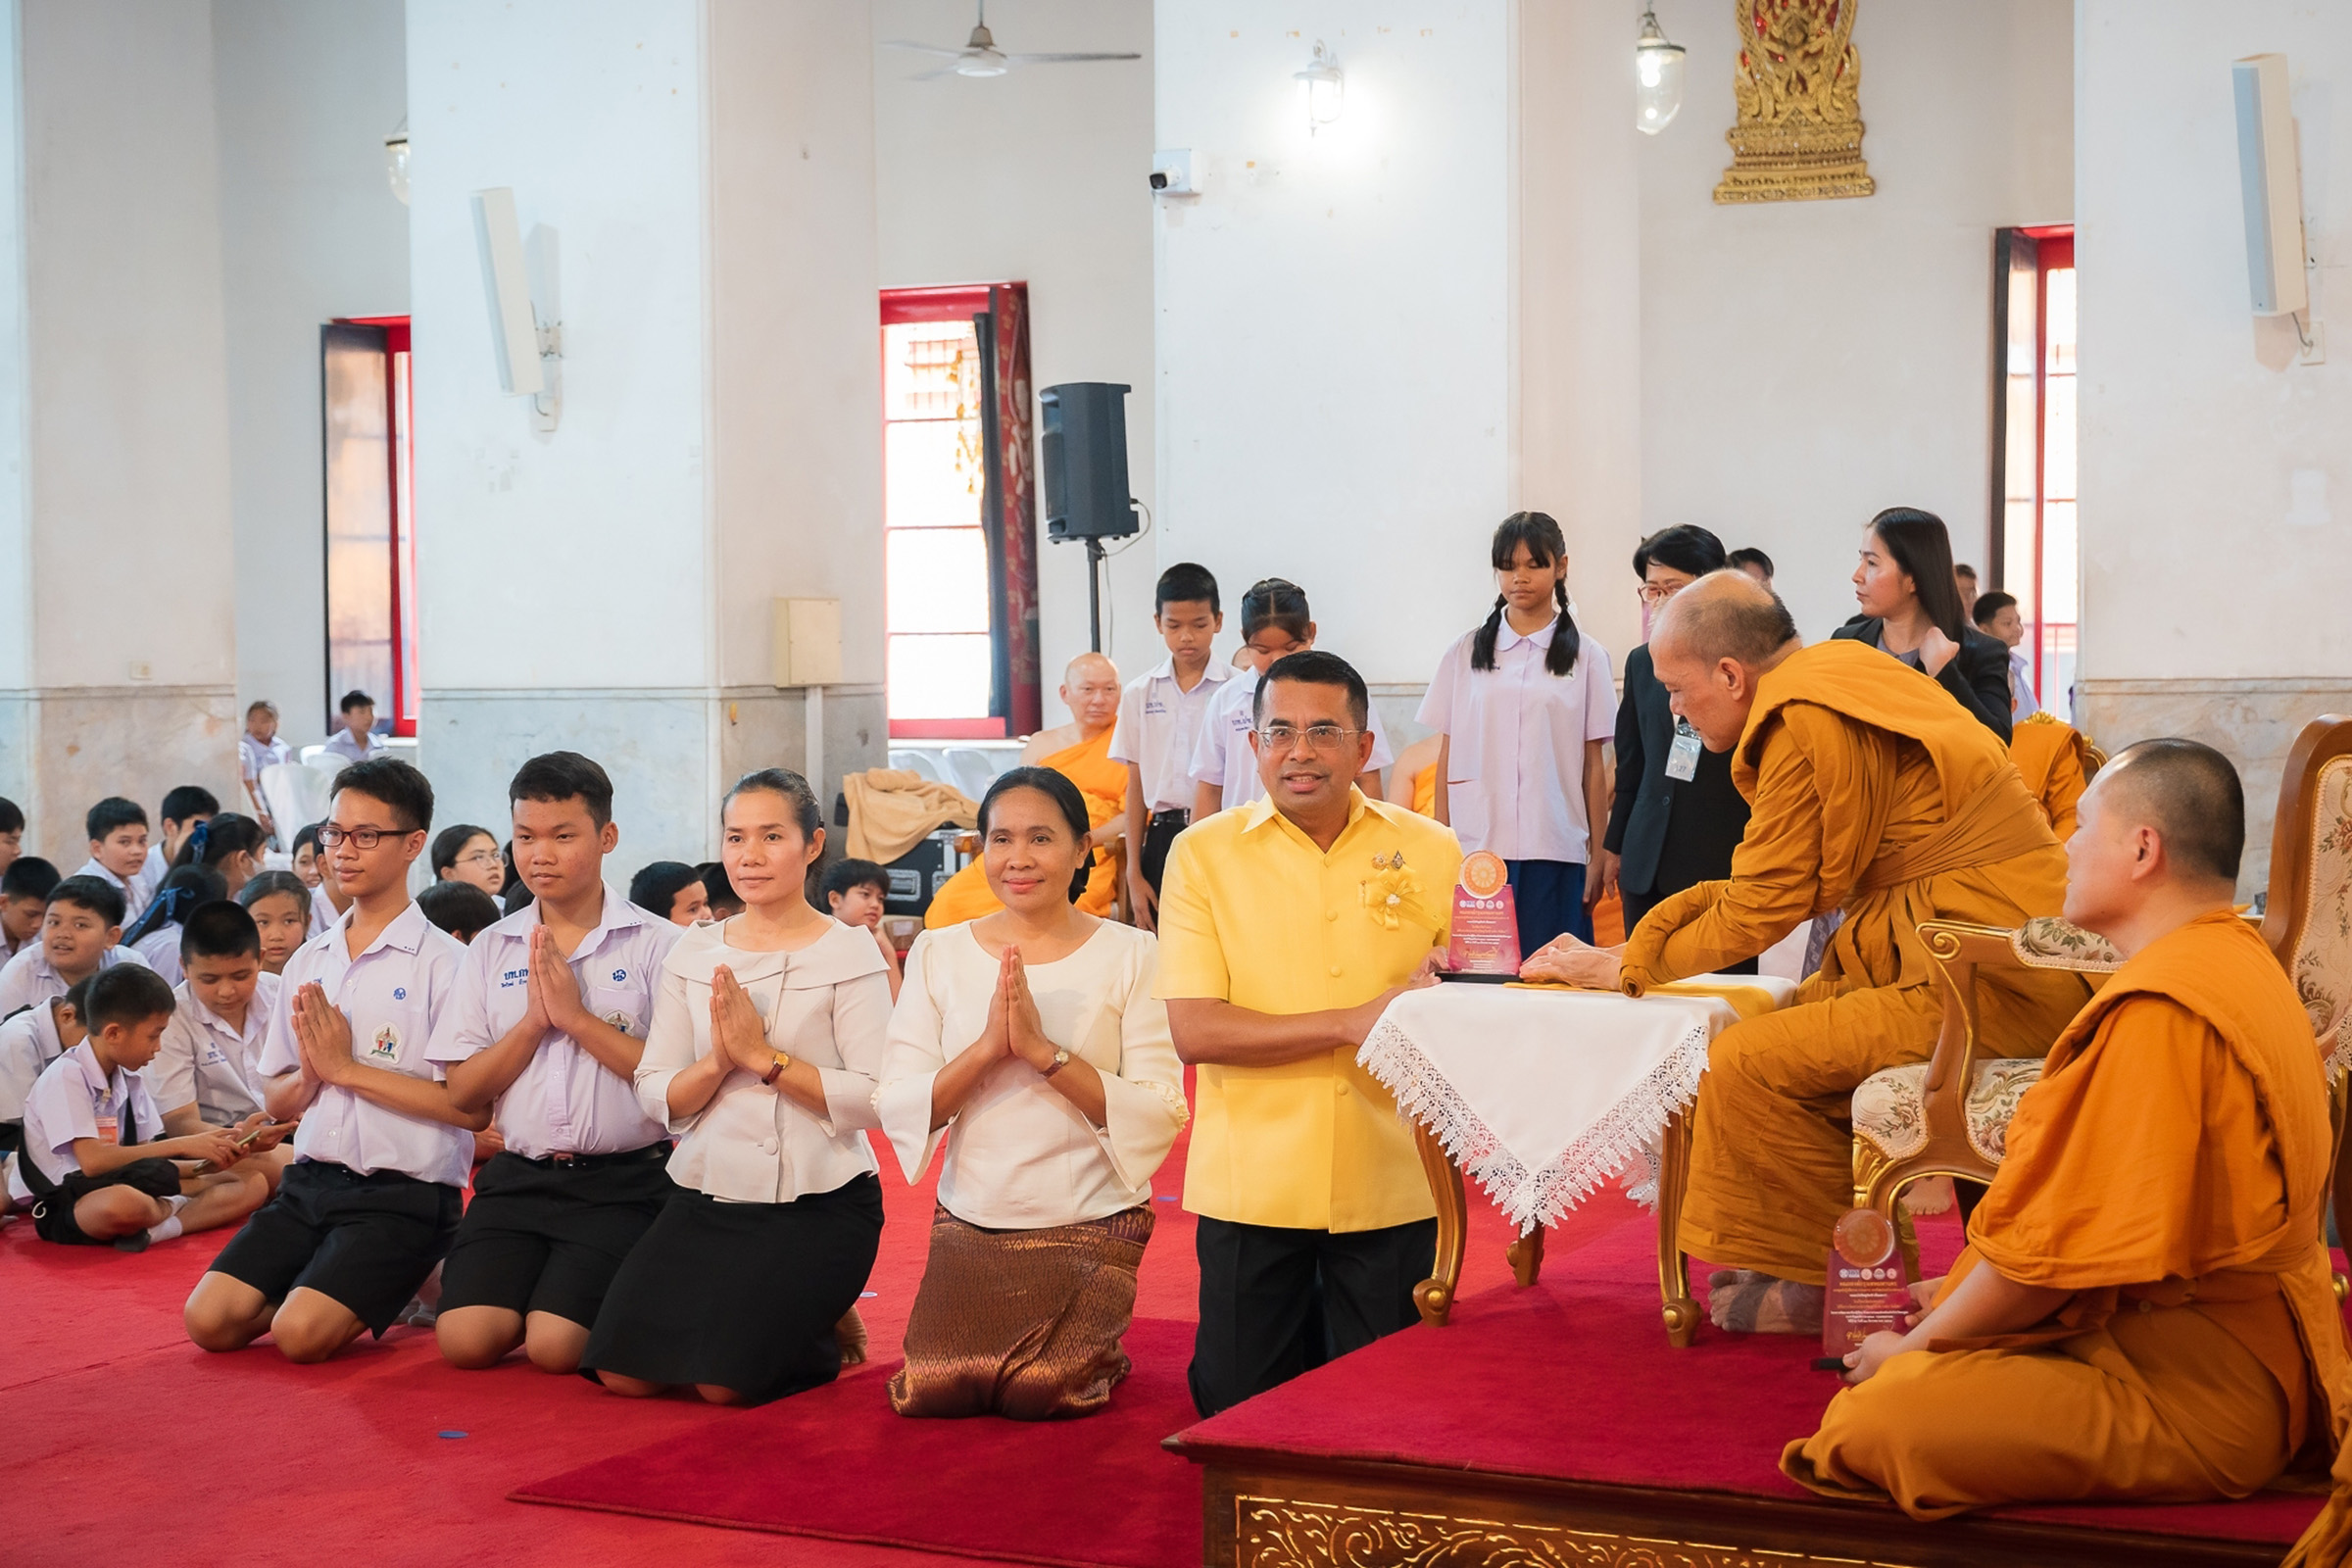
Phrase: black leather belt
(571, 1161)
(1181, 818)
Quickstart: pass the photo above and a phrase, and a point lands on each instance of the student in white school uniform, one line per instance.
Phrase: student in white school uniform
(1160, 715)
(30, 1041)
(155, 935)
(383, 1154)
(357, 741)
(93, 1171)
(1276, 622)
(548, 1024)
(81, 932)
(186, 808)
(327, 902)
(1526, 704)
(769, 1035)
(203, 1074)
(24, 889)
(117, 832)
(258, 749)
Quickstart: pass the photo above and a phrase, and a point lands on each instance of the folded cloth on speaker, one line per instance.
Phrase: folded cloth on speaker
(891, 809)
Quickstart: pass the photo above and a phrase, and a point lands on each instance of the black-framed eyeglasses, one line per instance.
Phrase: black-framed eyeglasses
(362, 838)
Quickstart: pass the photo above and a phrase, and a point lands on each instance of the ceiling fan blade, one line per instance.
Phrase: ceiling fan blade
(923, 48)
(1063, 60)
(948, 70)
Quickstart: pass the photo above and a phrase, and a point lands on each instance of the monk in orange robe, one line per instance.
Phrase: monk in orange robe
(2144, 1310)
(1875, 793)
(2054, 760)
(1080, 752)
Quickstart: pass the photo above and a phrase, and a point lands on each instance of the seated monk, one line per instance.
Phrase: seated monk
(2054, 760)
(2144, 1310)
(1413, 778)
(1080, 752)
(1875, 793)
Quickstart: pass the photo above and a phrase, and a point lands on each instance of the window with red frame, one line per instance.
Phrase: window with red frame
(2037, 554)
(959, 584)
(368, 407)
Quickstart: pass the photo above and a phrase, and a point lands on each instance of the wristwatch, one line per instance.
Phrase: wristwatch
(1061, 1060)
(776, 1070)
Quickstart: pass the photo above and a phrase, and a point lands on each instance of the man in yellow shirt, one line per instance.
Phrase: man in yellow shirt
(1286, 927)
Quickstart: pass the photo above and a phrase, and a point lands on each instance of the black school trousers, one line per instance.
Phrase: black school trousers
(1277, 1302)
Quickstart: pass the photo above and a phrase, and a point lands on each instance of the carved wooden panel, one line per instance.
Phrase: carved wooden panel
(1295, 1533)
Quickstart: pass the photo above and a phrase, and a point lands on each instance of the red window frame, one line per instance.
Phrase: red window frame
(400, 405)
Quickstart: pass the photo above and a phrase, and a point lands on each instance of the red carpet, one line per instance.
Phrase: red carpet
(1617, 1404)
(1014, 1490)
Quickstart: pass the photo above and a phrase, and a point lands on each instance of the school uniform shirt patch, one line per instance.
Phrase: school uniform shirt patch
(619, 975)
(400, 993)
(387, 1041)
(621, 1021)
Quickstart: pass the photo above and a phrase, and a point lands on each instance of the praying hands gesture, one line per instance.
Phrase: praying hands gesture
(1025, 1032)
(736, 1032)
(323, 1035)
(554, 989)
(1569, 962)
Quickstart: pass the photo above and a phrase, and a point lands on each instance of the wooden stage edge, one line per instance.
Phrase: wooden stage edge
(1265, 1509)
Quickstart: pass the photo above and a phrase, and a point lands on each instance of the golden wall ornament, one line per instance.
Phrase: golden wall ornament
(1799, 84)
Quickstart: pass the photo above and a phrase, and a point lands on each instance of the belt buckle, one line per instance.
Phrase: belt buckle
(560, 1160)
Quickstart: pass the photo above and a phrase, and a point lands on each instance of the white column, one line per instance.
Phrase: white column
(115, 551)
(695, 188)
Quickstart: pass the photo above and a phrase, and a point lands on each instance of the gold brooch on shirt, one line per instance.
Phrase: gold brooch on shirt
(1389, 895)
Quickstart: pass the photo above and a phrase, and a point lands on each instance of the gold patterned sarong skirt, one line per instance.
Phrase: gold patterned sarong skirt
(1021, 1323)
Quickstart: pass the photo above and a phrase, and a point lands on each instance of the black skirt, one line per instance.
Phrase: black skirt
(740, 1295)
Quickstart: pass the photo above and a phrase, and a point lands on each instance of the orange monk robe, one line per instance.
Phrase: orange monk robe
(2054, 760)
(1425, 791)
(1872, 792)
(2169, 1169)
(1104, 782)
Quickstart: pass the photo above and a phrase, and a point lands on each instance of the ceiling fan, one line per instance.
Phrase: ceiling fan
(980, 56)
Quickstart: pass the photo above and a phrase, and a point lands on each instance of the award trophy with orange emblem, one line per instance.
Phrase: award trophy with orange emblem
(1484, 946)
(1869, 1288)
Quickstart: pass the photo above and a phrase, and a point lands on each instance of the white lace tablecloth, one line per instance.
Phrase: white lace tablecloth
(1541, 1095)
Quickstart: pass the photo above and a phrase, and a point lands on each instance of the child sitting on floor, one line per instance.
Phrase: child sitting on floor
(203, 1073)
(117, 832)
(90, 1171)
(461, 908)
(28, 1043)
(280, 907)
(81, 932)
(24, 889)
(155, 935)
(855, 891)
(672, 890)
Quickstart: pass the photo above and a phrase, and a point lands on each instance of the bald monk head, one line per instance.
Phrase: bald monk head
(2157, 842)
(1710, 645)
(1090, 688)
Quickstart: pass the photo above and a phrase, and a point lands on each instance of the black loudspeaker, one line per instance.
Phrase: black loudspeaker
(1082, 461)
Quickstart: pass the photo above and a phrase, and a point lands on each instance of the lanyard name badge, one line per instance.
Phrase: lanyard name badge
(1682, 757)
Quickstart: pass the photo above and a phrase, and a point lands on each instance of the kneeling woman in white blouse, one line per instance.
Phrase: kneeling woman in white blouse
(1034, 1031)
(765, 1045)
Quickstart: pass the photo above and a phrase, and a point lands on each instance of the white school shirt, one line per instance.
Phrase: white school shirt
(340, 744)
(1515, 754)
(1023, 1158)
(204, 1062)
(391, 994)
(69, 1102)
(9, 949)
(159, 950)
(2023, 704)
(1222, 757)
(828, 1005)
(565, 1102)
(1159, 722)
(322, 912)
(28, 978)
(253, 756)
(136, 893)
(29, 1044)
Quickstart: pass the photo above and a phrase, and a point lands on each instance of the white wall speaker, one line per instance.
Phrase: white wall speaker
(514, 329)
(2269, 182)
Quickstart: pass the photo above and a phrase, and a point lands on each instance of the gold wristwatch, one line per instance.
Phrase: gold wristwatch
(776, 1070)
(1061, 1060)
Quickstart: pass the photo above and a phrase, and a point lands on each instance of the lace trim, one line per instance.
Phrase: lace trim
(1632, 1125)
(1170, 1097)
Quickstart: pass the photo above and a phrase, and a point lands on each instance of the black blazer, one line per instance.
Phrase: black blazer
(1978, 677)
(1670, 835)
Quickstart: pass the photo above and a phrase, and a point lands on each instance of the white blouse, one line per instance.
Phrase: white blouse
(1515, 759)
(1023, 1158)
(827, 1004)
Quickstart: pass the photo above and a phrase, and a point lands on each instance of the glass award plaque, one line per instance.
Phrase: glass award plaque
(1868, 1289)
(1486, 922)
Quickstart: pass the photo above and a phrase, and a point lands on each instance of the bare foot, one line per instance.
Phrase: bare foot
(851, 1333)
(1762, 1305)
(1723, 1277)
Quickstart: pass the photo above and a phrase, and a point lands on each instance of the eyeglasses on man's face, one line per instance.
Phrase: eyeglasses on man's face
(360, 838)
(1319, 737)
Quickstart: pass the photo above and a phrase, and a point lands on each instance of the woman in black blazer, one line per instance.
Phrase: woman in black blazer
(1669, 834)
(1911, 609)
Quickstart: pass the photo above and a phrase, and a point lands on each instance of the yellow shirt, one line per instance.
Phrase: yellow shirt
(1252, 913)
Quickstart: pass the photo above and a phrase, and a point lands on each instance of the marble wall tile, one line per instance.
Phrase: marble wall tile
(64, 748)
(2254, 722)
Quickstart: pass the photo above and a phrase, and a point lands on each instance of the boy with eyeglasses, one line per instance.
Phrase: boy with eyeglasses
(382, 1156)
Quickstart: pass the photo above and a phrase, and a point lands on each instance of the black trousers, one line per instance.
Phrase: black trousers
(1638, 905)
(1159, 833)
(1277, 1302)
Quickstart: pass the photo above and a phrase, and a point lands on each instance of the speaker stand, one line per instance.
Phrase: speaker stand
(1095, 556)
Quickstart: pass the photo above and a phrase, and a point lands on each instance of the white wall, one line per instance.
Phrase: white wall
(310, 231)
(2216, 480)
(1335, 330)
(1807, 363)
(1037, 177)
